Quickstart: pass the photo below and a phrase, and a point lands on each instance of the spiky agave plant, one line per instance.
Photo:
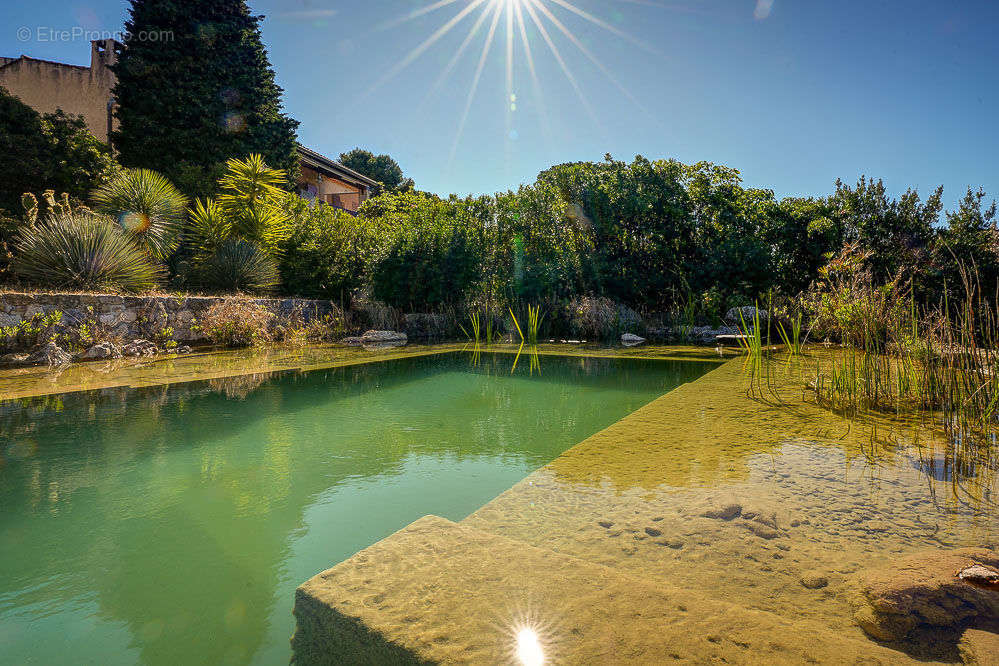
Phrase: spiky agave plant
(239, 265)
(147, 206)
(83, 250)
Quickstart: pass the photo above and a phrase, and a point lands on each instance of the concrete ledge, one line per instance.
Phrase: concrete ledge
(439, 592)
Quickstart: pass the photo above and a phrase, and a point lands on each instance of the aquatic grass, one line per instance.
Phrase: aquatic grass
(517, 325)
(517, 358)
(792, 340)
(475, 322)
(758, 356)
(535, 359)
(534, 320)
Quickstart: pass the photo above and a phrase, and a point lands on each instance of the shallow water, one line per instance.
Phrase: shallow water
(171, 524)
(842, 496)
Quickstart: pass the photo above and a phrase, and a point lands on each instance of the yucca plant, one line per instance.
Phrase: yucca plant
(251, 199)
(147, 206)
(210, 227)
(84, 250)
(239, 265)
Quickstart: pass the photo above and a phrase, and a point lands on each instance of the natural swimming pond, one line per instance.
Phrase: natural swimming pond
(172, 524)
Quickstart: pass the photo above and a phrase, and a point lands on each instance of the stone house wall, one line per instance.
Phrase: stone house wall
(47, 86)
(133, 317)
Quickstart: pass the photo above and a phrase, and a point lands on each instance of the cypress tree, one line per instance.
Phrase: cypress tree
(194, 89)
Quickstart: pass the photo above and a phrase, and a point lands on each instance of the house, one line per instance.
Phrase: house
(47, 86)
(85, 91)
(326, 180)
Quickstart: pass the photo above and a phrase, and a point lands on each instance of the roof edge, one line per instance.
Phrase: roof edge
(333, 166)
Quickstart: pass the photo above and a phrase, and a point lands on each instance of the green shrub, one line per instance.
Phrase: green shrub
(148, 206)
(239, 266)
(430, 259)
(85, 251)
(327, 254)
(236, 323)
(846, 304)
(54, 150)
(599, 318)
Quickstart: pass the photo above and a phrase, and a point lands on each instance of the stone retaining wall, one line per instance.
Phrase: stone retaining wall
(142, 316)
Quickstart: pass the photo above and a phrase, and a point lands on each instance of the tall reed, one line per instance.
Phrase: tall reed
(534, 320)
(792, 339)
(941, 362)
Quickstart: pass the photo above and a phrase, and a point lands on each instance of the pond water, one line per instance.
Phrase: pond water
(171, 524)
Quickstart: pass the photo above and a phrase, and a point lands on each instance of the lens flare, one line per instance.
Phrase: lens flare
(529, 650)
(233, 122)
(134, 222)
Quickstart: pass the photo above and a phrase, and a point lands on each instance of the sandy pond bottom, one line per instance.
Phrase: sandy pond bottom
(708, 526)
(170, 524)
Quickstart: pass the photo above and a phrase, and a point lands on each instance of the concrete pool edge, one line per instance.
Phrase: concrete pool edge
(174, 369)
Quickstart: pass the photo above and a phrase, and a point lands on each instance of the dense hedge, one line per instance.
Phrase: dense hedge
(657, 236)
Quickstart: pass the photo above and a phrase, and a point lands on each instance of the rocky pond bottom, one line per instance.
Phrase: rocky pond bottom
(710, 525)
(170, 524)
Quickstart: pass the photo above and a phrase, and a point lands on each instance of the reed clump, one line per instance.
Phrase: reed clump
(940, 361)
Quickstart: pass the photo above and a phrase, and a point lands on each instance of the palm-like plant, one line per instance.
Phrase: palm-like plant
(251, 199)
(147, 206)
(83, 250)
(210, 227)
(237, 236)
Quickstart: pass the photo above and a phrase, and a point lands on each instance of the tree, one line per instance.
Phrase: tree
(969, 246)
(382, 168)
(188, 103)
(52, 151)
(79, 161)
(23, 151)
(896, 233)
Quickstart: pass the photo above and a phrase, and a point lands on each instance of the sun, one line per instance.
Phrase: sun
(516, 23)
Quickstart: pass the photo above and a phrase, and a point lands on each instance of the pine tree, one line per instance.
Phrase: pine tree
(200, 93)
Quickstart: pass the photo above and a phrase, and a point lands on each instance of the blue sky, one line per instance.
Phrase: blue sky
(793, 94)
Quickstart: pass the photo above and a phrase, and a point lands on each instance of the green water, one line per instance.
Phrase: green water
(171, 525)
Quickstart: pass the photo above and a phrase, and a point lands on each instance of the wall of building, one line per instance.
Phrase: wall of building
(47, 86)
(330, 189)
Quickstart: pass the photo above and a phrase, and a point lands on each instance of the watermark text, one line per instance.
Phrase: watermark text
(47, 33)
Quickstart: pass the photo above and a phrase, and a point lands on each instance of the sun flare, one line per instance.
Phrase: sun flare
(516, 23)
(529, 650)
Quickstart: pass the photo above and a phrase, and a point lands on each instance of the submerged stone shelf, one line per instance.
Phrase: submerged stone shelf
(440, 592)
